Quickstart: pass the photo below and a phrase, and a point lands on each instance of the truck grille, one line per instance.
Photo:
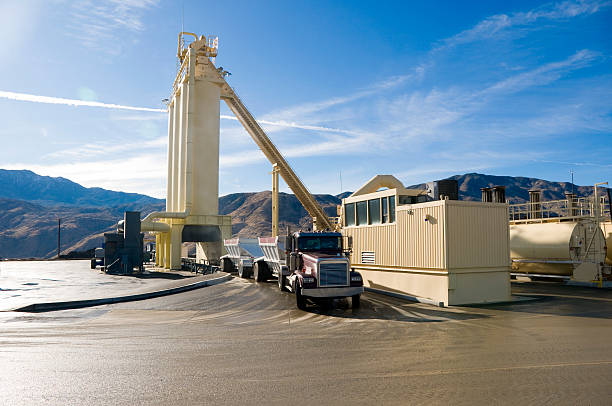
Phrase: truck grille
(333, 274)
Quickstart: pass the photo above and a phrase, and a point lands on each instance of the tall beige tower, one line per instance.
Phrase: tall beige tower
(193, 162)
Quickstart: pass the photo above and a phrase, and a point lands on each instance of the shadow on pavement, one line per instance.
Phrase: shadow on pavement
(559, 299)
(379, 307)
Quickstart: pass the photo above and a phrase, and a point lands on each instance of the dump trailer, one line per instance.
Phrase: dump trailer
(313, 265)
(241, 254)
(273, 263)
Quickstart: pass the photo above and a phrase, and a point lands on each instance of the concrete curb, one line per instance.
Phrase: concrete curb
(77, 304)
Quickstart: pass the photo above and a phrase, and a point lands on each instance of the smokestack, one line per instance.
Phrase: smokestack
(487, 194)
(499, 194)
(535, 209)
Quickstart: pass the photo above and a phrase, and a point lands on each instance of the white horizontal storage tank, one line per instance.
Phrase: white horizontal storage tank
(556, 248)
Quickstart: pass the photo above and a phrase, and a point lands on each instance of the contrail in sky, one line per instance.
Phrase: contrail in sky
(301, 126)
(76, 102)
(70, 102)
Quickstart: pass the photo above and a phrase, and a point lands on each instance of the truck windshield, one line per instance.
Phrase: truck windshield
(320, 243)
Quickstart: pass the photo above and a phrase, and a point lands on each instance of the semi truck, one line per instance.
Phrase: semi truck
(312, 265)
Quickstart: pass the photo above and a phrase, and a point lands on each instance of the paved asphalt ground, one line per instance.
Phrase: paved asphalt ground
(245, 343)
(26, 282)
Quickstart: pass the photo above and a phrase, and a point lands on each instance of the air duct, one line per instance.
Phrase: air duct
(535, 208)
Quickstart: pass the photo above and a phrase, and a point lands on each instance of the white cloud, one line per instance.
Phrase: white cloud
(147, 173)
(99, 24)
(497, 24)
(544, 74)
(305, 109)
(140, 117)
(86, 151)
(286, 124)
(597, 165)
(438, 112)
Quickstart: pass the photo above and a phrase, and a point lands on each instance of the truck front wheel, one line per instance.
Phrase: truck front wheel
(356, 301)
(93, 263)
(299, 298)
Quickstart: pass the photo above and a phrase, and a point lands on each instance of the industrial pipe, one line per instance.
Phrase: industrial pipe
(178, 52)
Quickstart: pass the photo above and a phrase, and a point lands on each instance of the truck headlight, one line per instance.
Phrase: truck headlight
(308, 280)
(356, 278)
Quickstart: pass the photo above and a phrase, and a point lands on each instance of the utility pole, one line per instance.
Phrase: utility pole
(572, 172)
(59, 225)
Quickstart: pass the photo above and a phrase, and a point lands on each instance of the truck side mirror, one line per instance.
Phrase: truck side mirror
(348, 244)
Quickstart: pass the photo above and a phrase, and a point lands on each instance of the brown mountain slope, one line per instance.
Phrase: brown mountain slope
(29, 230)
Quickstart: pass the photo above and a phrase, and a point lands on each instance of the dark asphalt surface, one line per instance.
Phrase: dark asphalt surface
(245, 343)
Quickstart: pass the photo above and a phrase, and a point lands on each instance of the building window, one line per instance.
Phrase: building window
(362, 213)
(385, 210)
(349, 214)
(392, 209)
(374, 211)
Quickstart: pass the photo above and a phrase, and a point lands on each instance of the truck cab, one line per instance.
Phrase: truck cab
(319, 267)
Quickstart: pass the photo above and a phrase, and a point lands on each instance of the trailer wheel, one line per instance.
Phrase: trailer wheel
(226, 265)
(356, 301)
(258, 272)
(265, 271)
(300, 300)
(241, 271)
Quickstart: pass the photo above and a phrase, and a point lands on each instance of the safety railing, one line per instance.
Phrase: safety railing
(554, 210)
(182, 72)
(190, 264)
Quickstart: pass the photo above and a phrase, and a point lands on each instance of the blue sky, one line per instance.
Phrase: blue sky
(420, 91)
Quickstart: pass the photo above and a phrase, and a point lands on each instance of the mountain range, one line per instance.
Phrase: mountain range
(30, 206)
